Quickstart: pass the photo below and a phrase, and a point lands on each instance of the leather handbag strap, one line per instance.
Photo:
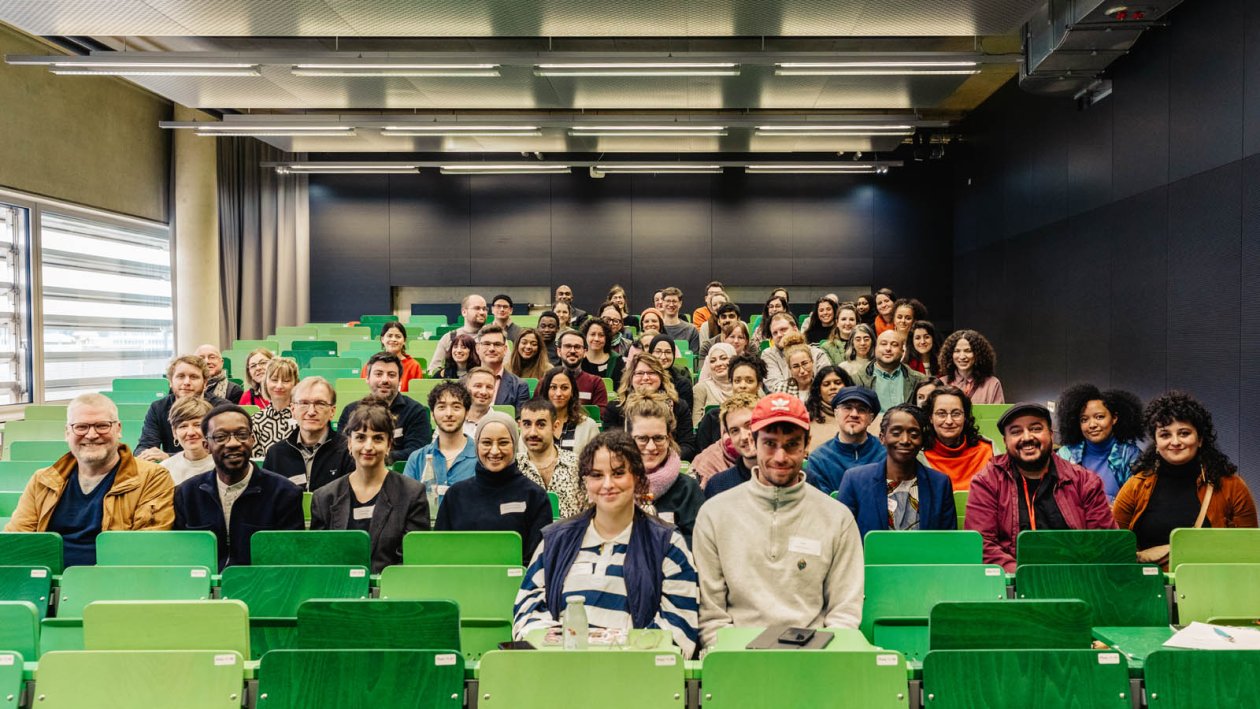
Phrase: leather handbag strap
(1203, 508)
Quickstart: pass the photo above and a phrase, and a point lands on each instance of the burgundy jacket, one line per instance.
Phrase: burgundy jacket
(591, 391)
(993, 505)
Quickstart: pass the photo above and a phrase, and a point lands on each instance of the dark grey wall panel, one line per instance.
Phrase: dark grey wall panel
(1251, 77)
(1085, 297)
(420, 207)
(1140, 113)
(1249, 341)
(592, 217)
(672, 236)
(1206, 88)
(350, 276)
(1138, 299)
(1089, 159)
(510, 231)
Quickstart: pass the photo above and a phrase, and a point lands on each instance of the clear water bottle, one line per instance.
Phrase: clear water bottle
(429, 478)
(576, 629)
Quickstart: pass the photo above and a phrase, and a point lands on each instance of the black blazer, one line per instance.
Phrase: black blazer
(268, 502)
(401, 507)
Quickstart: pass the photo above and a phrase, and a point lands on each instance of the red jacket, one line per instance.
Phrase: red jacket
(993, 505)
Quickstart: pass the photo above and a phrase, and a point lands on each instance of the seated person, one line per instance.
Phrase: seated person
(747, 373)
(235, 500)
(664, 350)
(887, 376)
(187, 375)
(193, 457)
(855, 409)
(590, 388)
(452, 454)
(313, 454)
(828, 382)
(776, 551)
(98, 486)
(577, 428)
(646, 375)
(1101, 432)
(777, 372)
(900, 493)
(275, 422)
(412, 429)
(255, 371)
(736, 414)
(956, 449)
(675, 497)
(551, 467)
(480, 384)
(1183, 479)
(394, 341)
(966, 361)
(1029, 487)
(714, 384)
(217, 383)
(510, 390)
(498, 497)
(633, 571)
(372, 498)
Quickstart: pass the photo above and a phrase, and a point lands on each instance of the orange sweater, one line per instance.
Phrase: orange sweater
(1231, 504)
(881, 325)
(961, 463)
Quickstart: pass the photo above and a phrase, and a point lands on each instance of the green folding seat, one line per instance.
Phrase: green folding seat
(336, 362)
(377, 623)
(31, 549)
(621, 680)
(873, 679)
(274, 593)
(922, 547)
(341, 547)
(361, 679)
(485, 595)
(118, 679)
(168, 625)
(157, 548)
(1209, 591)
(1177, 679)
(1082, 679)
(1076, 546)
(46, 452)
(134, 397)
(1117, 594)
(29, 584)
(1214, 546)
(897, 620)
(19, 632)
(46, 412)
(462, 548)
(1010, 625)
(142, 384)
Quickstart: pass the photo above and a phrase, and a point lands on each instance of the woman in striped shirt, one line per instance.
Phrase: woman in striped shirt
(632, 570)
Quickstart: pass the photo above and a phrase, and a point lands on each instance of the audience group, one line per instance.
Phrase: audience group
(703, 496)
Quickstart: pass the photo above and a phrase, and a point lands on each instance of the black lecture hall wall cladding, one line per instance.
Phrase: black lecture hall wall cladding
(371, 232)
(1121, 244)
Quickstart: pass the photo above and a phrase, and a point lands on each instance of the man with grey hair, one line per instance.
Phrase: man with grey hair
(99, 485)
(217, 384)
(313, 455)
(473, 308)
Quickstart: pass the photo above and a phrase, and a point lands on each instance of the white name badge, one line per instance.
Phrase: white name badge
(582, 569)
(398, 433)
(667, 516)
(801, 545)
(441, 489)
(364, 512)
(584, 395)
(892, 505)
(298, 479)
(508, 508)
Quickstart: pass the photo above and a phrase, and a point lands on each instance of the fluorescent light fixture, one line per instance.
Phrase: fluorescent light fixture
(276, 131)
(816, 168)
(641, 168)
(662, 131)
(395, 69)
(346, 169)
(504, 169)
(639, 69)
(876, 68)
(152, 69)
(835, 130)
(462, 130)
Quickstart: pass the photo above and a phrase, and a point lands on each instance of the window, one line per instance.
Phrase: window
(15, 306)
(107, 302)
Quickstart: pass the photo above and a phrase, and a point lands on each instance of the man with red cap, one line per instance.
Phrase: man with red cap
(774, 550)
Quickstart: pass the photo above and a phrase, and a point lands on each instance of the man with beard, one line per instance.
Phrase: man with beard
(473, 308)
(412, 430)
(550, 466)
(235, 499)
(1029, 488)
(548, 326)
(590, 388)
(855, 409)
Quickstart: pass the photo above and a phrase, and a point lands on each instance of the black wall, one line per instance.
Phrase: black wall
(371, 232)
(1121, 244)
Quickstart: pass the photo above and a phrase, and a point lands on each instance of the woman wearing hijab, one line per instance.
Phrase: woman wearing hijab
(715, 382)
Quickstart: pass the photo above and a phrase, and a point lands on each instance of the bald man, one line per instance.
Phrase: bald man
(218, 385)
(891, 380)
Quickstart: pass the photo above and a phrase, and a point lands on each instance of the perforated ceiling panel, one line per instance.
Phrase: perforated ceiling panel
(517, 18)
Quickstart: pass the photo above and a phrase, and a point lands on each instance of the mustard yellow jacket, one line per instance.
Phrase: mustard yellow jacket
(142, 496)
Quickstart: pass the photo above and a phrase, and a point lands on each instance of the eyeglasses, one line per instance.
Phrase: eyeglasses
(947, 414)
(613, 321)
(101, 427)
(572, 346)
(302, 405)
(221, 437)
(658, 440)
(645, 375)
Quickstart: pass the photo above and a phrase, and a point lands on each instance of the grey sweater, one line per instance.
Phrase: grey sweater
(770, 556)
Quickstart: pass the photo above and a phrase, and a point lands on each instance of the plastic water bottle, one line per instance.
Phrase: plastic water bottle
(429, 478)
(576, 629)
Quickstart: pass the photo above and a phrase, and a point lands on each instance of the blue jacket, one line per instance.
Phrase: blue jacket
(827, 465)
(1119, 463)
(512, 390)
(737, 474)
(650, 542)
(865, 490)
(270, 501)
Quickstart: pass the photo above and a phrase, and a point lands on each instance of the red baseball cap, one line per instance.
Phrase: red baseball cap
(777, 408)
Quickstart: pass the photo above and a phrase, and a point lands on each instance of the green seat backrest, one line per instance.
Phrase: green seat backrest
(46, 412)
(988, 412)
(81, 585)
(158, 548)
(1117, 594)
(168, 625)
(922, 547)
(462, 548)
(1076, 546)
(247, 345)
(189, 679)
(14, 474)
(11, 680)
(302, 357)
(1214, 546)
(872, 679)
(134, 397)
(277, 591)
(332, 374)
(555, 504)
(887, 596)
(333, 547)
(132, 412)
(9, 502)
(422, 348)
(1010, 625)
(1206, 591)
(989, 431)
(31, 584)
(966, 679)
(392, 623)
(34, 430)
(306, 507)
(336, 363)
(621, 680)
(326, 348)
(531, 383)
(1176, 679)
(593, 412)
(31, 549)
(419, 389)
(485, 595)
(353, 389)
(505, 409)
(960, 506)
(306, 332)
(19, 632)
(377, 678)
(45, 452)
(146, 385)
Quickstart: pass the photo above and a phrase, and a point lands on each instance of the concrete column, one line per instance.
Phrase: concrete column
(196, 227)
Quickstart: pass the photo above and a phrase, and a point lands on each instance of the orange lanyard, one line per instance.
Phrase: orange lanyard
(1032, 514)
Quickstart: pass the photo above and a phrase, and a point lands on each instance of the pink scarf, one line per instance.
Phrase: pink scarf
(663, 478)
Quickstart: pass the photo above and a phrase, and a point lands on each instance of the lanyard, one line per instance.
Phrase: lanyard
(1032, 514)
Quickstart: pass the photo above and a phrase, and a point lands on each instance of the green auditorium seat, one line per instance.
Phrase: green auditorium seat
(873, 679)
(922, 547)
(419, 389)
(377, 623)
(146, 385)
(555, 504)
(11, 680)
(14, 474)
(620, 680)
(158, 548)
(121, 679)
(1190, 680)
(167, 625)
(336, 363)
(8, 503)
(1117, 594)
(47, 412)
(1207, 591)
(30, 584)
(462, 548)
(274, 593)
(960, 506)
(361, 679)
(45, 452)
(485, 595)
(134, 397)
(1076, 546)
(1010, 625)
(1214, 546)
(898, 620)
(304, 332)
(19, 632)
(31, 549)
(1036, 679)
(247, 345)
(333, 547)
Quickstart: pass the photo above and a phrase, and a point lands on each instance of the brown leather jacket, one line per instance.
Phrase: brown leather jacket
(1231, 504)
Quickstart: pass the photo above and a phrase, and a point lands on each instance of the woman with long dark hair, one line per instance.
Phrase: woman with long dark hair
(774, 306)
(822, 322)
(822, 417)
(885, 302)
(1101, 431)
(923, 348)
(529, 357)
(957, 448)
(394, 341)
(462, 356)
(968, 361)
